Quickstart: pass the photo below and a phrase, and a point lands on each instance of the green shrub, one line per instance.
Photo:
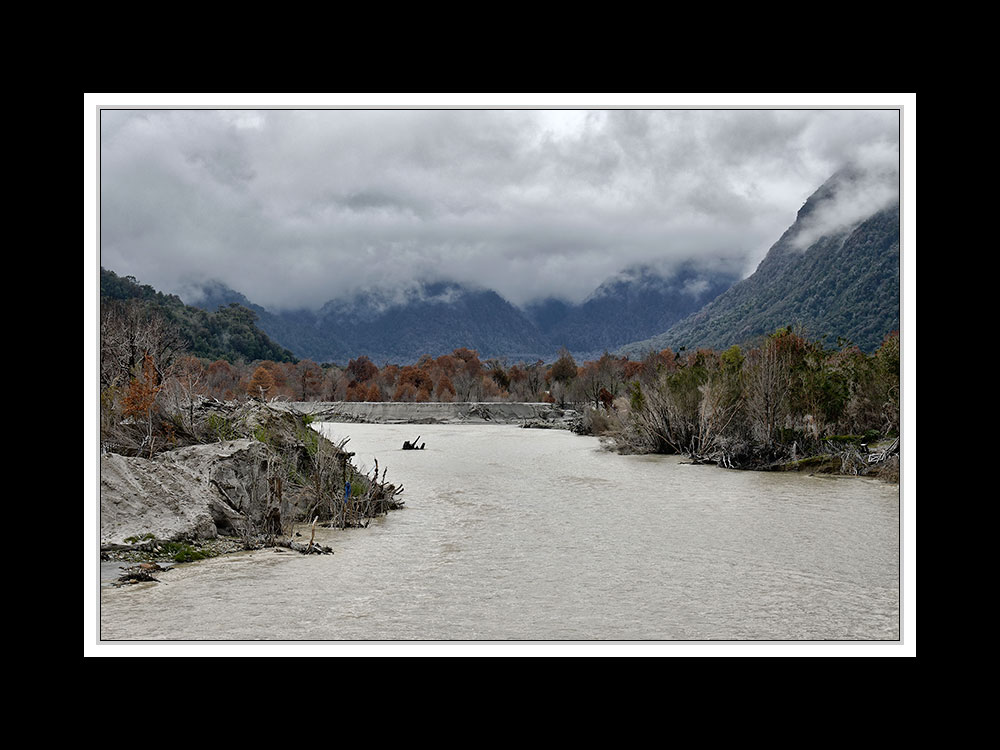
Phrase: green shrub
(221, 428)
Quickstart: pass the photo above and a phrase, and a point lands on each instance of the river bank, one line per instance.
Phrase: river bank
(530, 414)
(251, 473)
(201, 501)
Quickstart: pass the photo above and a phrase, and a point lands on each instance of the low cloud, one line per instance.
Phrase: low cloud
(861, 189)
(294, 208)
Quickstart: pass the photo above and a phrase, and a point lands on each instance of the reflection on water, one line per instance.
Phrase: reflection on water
(540, 535)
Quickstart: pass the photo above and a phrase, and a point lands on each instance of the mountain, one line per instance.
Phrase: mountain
(229, 332)
(834, 273)
(437, 318)
(637, 303)
(399, 326)
(432, 318)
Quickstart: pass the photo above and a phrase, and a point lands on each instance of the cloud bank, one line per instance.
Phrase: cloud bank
(297, 207)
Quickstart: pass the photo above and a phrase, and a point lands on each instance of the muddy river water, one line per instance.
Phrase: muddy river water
(539, 535)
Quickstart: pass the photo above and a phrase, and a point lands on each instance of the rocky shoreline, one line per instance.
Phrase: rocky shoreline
(265, 471)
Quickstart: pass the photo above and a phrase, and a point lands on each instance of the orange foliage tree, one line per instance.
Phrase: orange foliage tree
(140, 396)
(261, 383)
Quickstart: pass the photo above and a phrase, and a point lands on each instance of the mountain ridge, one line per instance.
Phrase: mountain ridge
(434, 318)
(844, 285)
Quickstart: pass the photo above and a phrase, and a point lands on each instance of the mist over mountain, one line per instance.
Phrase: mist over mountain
(398, 325)
(435, 318)
(835, 273)
(293, 208)
(638, 301)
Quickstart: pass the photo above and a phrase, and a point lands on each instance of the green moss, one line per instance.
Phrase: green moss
(816, 464)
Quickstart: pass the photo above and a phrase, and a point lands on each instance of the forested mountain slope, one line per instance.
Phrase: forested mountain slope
(839, 283)
(229, 333)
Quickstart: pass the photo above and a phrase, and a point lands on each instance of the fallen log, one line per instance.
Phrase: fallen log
(305, 549)
(138, 574)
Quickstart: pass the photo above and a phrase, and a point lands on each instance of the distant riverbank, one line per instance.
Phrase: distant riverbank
(434, 412)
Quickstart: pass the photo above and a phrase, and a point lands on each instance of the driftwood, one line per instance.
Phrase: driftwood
(379, 499)
(408, 446)
(139, 574)
(305, 549)
(308, 549)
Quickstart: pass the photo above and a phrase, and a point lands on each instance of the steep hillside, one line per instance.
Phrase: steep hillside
(831, 280)
(230, 332)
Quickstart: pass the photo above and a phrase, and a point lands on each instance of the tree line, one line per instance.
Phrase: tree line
(785, 394)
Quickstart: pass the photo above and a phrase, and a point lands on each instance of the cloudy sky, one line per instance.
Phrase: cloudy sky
(297, 207)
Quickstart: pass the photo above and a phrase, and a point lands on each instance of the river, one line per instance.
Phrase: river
(540, 535)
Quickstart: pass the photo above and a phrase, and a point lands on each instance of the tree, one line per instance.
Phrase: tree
(362, 369)
(589, 383)
(222, 379)
(186, 381)
(445, 389)
(768, 381)
(498, 374)
(129, 332)
(563, 369)
(261, 383)
(308, 379)
(140, 398)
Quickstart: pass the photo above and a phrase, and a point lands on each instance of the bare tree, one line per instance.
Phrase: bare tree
(130, 331)
(186, 383)
(768, 378)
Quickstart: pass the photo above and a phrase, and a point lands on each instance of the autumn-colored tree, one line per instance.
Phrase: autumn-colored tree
(631, 370)
(445, 389)
(279, 376)
(488, 390)
(140, 396)
(465, 354)
(606, 399)
(416, 376)
(446, 364)
(261, 383)
(362, 369)
(404, 392)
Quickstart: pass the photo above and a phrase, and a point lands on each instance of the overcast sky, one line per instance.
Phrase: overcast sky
(297, 207)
